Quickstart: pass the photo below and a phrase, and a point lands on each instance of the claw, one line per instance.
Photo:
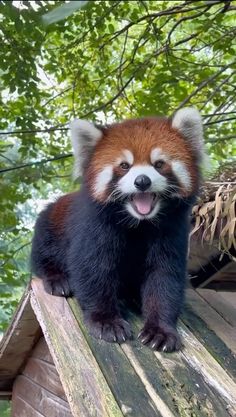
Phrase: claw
(123, 337)
(145, 339)
(114, 338)
(164, 349)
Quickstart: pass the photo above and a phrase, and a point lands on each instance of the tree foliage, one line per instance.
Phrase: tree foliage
(108, 60)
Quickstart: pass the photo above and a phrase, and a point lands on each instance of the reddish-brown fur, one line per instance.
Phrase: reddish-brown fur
(140, 136)
(60, 210)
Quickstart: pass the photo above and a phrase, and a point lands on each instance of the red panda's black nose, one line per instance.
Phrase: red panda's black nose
(142, 182)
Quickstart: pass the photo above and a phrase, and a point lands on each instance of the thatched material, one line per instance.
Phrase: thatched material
(215, 214)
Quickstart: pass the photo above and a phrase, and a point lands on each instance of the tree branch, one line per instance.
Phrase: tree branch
(220, 121)
(203, 84)
(29, 164)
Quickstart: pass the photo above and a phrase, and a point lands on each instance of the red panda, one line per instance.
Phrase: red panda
(125, 233)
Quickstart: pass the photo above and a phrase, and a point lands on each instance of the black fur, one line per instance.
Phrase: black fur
(99, 259)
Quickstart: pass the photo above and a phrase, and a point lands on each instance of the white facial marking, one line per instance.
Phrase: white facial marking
(103, 179)
(181, 173)
(157, 154)
(135, 214)
(126, 183)
(129, 157)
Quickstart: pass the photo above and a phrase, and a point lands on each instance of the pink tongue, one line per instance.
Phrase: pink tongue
(143, 202)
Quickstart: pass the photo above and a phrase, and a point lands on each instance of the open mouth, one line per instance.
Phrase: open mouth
(143, 203)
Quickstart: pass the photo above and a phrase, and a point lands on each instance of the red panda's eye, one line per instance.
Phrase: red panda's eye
(125, 166)
(159, 164)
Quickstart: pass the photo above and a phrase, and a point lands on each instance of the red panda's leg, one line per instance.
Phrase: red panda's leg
(163, 295)
(100, 308)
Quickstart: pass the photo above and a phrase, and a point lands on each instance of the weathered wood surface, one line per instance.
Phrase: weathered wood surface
(41, 351)
(110, 380)
(187, 383)
(23, 332)
(84, 383)
(20, 408)
(38, 387)
(38, 398)
(129, 390)
(209, 339)
(212, 319)
(223, 304)
(45, 375)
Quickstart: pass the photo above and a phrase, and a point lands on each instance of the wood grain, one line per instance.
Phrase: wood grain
(214, 321)
(127, 387)
(220, 304)
(210, 340)
(41, 351)
(185, 386)
(20, 408)
(17, 342)
(45, 375)
(39, 398)
(85, 386)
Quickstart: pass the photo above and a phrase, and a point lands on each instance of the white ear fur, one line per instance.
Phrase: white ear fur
(84, 136)
(188, 122)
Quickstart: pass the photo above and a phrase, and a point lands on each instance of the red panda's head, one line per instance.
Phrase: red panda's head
(140, 162)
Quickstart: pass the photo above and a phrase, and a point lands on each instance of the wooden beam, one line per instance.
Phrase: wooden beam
(85, 386)
(5, 395)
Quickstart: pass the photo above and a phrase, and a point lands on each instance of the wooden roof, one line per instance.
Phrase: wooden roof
(111, 380)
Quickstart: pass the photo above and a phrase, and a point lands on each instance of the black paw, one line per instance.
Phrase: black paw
(112, 330)
(58, 285)
(162, 338)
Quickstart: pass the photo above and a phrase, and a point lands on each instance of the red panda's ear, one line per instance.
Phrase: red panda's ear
(188, 122)
(84, 137)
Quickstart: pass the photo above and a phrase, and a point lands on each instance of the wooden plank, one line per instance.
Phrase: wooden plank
(41, 351)
(85, 386)
(17, 342)
(230, 297)
(44, 374)
(39, 398)
(188, 389)
(20, 408)
(227, 272)
(5, 395)
(222, 285)
(208, 338)
(172, 383)
(219, 304)
(214, 321)
(200, 359)
(128, 389)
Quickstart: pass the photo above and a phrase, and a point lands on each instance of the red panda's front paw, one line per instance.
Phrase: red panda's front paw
(57, 285)
(111, 330)
(162, 338)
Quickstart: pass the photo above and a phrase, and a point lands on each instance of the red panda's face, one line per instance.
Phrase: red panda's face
(141, 163)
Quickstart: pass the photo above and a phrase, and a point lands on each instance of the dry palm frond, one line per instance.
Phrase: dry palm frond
(216, 219)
